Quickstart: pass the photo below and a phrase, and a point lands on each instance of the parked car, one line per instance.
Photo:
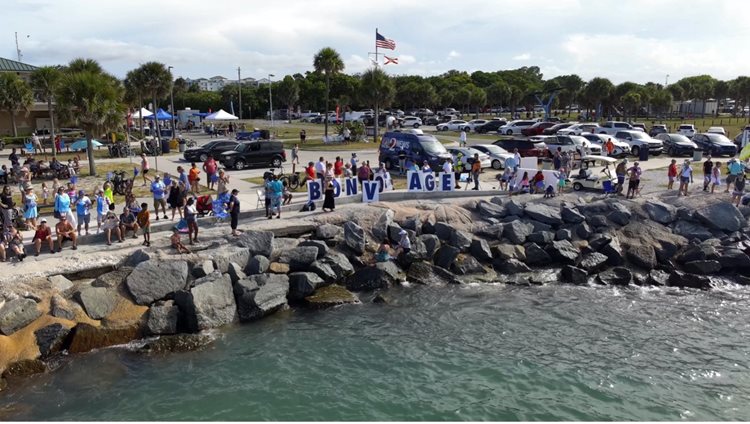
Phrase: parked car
(638, 140)
(254, 154)
(448, 111)
(468, 156)
(214, 148)
(431, 120)
(613, 127)
(454, 125)
(688, 130)
(580, 128)
(640, 125)
(497, 154)
(716, 130)
(525, 147)
(490, 126)
(418, 148)
(476, 123)
(658, 129)
(570, 144)
(411, 121)
(448, 118)
(515, 127)
(622, 149)
(555, 128)
(676, 144)
(537, 128)
(715, 144)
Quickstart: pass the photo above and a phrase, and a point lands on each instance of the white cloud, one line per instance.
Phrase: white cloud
(523, 56)
(453, 55)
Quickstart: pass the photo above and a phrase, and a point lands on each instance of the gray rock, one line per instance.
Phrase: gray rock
(564, 234)
(660, 212)
(98, 302)
(543, 213)
(60, 283)
(657, 278)
(513, 207)
(614, 252)
(299, 258)
(112, 279)
(256, 301)
(59, 308)
(328, 232)
(354, 237)
(445, 256)
(702, 267)
(593, 262)
(258, 264)
(324, 271)
(465, 264)
(562, 251)
(665, 251)
(598, 221)
(412, 223)
(154, 280)
(619, 217)
(535, 255)
(571, 215)
(390, 268)
(510, 266)
(574, 275)
(330, 296)
(691, 230)
(17, 314)
(210, 304)
(598, 241)
(380, 227)
(480, 249)
(593, 208)
(162, 318)
(517, 231)
(722, 216)
(686, 280)
(303, 284)
(538, 226)
(541, 237)
(461, 240)
(617, 276)
(428, 227)
(444, 231)
(490, 209)
(140, 255)
(394, 235)
(257, 242)
(509, 251)
(734, 259)
(642, 256)
(497, 200)
(428, 274)
(50, 339)
(235, 272)
(177, 343)
(371, 278)
(584, 231)
(204, 268)
(431, 243)
(226, 254)
(339, 263)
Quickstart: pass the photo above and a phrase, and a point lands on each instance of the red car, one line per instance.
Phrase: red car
(525, 147)
(537, 128)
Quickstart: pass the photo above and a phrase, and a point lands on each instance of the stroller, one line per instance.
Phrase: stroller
(204, 205)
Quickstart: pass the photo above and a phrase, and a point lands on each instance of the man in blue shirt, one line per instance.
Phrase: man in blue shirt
(160, 198)
(276, 189)
(736, 168)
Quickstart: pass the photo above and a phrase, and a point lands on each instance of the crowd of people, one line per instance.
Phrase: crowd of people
(712, 177)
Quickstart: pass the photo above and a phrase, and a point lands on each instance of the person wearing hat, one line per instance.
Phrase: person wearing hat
(30, 211)
(634, 181)
(404, 244)
(354, 161)
(159, 191)
(65, 231)
(234, 211)
(43, 235)
(83, 210)
(6, 207)
(426, 167)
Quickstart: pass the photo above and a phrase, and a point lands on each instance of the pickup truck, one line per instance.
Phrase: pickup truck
(613, 127)
(638, 140)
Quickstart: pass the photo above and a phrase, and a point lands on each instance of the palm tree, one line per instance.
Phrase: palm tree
(45, 81)
(91, 99)
(328, 61)
(155, 79)
(15, 95)
(134, 92)
(288, 91)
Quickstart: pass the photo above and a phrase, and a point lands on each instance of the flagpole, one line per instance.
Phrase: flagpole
(377, 112)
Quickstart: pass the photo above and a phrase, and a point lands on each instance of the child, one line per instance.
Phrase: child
(102, 206)
(45, 193)
(561, 178)
(144, 221)
(287, 194)
(506, 178)
(739, 188)
(55, 185)
(672, 173)
(549, 192)
(177, 242)
(716, 176)
(384, 252)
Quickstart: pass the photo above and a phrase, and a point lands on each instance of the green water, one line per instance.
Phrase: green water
(486, 352)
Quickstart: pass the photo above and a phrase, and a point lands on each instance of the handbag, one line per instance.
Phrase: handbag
(57, 214)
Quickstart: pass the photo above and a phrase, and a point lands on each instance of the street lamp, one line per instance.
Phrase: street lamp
(171, 101)
(270, 99)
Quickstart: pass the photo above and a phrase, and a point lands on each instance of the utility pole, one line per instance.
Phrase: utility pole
(239, 90)
(270, 99)
(171, 101)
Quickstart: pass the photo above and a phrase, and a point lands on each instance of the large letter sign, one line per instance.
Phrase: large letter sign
(370, 191)
(429, 181)
(313, 190)
(352, 186)
(447, 181)
(415, 181)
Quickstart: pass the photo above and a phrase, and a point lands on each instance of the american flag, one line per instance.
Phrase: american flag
(384, 43)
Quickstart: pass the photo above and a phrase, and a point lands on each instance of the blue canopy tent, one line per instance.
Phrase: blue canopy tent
(161, 115)
(81, 144)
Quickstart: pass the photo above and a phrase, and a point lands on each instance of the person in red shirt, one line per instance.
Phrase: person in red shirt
(310, 171)
(43, 234)
(338, 166)
(672, 173)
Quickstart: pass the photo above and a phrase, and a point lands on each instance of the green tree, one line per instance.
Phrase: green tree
(498, 93)
(134, 93)
(328, 61)
(721, 91)
(288, 92)
(15, 96)
(156, 80)
(596, 91)
(477, 99)
(661, 101)
(631, 101)
(45, 82)
(92, 100)
(377, 89)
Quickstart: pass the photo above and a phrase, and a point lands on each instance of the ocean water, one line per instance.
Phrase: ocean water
(477, 352)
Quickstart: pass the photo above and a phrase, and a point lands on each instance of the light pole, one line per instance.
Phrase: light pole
(171, 100)
(270, 99)
(239, 90)
(666, 81)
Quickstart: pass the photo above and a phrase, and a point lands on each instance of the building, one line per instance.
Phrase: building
(694, 107)
(38, 115)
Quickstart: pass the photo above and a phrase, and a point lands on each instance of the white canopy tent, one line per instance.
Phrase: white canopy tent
(143, 112)
(221, 115)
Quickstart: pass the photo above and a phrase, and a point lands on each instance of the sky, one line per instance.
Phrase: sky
(623, 40)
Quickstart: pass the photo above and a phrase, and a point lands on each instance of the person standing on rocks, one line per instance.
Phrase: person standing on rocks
(708, 167)
(739, 189)
(686, 177)
(158, 189)
(234, 211)
(404, 244)
(635, 180)
(191, 216)
(621, 171)
(671, 174)
(716, 177)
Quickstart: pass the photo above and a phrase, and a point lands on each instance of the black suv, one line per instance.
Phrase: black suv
(214, 148)
(490, 126)
(254, 154)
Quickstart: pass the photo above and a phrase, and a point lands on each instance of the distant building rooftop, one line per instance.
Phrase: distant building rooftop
(7, 65)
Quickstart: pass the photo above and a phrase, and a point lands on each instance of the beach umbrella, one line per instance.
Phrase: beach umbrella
(143, 112)
(221, 115)
(81, 144)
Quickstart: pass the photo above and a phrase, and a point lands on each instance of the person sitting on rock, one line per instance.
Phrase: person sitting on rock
(176, 242)
(404, 244)
(43, 235)
(128, 222)
(65, 231)
(384, 252)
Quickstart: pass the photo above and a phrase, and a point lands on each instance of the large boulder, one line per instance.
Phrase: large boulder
(480, 249)
(571, 215)
(303, 284)
(330, 296)
(258, 264)
(210, 304)
(85, 337)
(444, 231)
(490, 209)
(427, 273)
(691, 230)
(513, 207)
(154, 280)
(203, 268)
(320, 245)
(380, 227)
(535, 255)
(517, 231)
(465, 264)
(617, 276)
(722, 216)
(60, 283)
(257, 243)
(299, 258)
(641, 255)
(574, 275)
(325, 272)
(543, 213)
(584, 231)
(112, 279)
(255, 300)
(431, 243)
(592, 262)
(541, 237)
(162, 318)
(687, 280)
(697, 252)
(236, 272)
(60, 308)
(328, 232)
(562, 251)
(619, 217)
(702, 267)
(224, 255)
(445, 256)
(412, 223)
(354, 237)
(98, 302)
(50, 338)
(657, 277)
(140, 255)
(461, 240)
(660, 212)
(338, 262)
(564, 234)
(380, 276)
(734, 259)
(17, 314)
(509, 251)
(510, 266)
(614, 252)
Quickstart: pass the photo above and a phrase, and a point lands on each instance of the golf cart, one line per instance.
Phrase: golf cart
(593, 173)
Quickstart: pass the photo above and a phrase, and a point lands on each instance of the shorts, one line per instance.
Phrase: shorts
(684, 180)
(160, 202)
(731, 178)
(620, 179)
(276, 202)
(633, 184)
(84, 219)
(144, 172)
(234, 220)
(670, 178)
(146, 229)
